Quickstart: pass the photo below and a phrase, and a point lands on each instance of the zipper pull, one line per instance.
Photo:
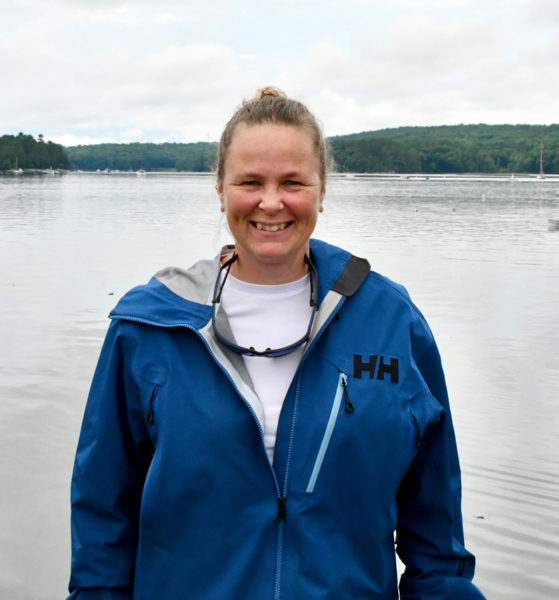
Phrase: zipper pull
(282, 513)
(349, 408)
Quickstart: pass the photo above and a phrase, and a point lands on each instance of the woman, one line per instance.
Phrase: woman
(261, 424)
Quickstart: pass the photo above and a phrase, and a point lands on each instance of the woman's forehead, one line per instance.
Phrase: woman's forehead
(269, 141)
(270, 132)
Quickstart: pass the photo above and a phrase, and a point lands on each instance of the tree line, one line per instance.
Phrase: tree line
(450, 149)
(199, 156)
(440, 149)
(25, 152)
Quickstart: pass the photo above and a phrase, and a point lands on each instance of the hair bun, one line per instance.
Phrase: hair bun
(268, 92)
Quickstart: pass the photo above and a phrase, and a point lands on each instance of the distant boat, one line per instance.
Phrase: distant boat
(553, 224)
(17, 170)
(141, 172)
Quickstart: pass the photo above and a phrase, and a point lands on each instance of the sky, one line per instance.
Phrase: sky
(90, 71)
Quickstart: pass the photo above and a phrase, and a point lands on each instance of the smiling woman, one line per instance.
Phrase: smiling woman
(261, 425)
(271, 193)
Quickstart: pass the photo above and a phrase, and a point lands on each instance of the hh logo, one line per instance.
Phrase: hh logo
(376, 365)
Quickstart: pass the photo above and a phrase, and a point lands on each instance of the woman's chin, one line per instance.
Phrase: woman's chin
(271, 258)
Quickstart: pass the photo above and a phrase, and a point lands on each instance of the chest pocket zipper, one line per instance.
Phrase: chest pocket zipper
(149, 414)
(341, 394)
(349, 408)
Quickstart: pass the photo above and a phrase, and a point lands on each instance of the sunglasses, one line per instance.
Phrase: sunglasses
(251, 351)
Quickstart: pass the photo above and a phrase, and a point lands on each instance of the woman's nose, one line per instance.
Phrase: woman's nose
(270, 200)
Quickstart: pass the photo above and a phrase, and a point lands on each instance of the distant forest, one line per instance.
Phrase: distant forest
(199, 156)
(450, 149)
(442, 149)
(25, 152)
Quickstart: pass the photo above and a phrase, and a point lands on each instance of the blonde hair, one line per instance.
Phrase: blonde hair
(271, 105)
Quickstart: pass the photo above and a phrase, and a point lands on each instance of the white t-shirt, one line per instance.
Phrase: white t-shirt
(269, 316)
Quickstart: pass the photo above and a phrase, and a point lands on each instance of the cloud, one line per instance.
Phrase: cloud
(542, 13)
(84, 140)
(174, 92)
(417, 53)
(176, 71)
(426, 73)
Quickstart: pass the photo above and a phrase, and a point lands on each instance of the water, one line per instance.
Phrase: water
(475, 255)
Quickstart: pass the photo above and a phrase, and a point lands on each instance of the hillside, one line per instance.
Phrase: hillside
(199, 156)
(443, 149)
(450, 149)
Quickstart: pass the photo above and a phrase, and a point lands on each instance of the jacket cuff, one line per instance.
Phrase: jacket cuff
(439, 588)
(99, 593)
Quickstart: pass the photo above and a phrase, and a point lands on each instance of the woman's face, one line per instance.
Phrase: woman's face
(271, 193)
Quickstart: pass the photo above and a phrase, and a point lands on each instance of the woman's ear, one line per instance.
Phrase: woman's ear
(219, 188)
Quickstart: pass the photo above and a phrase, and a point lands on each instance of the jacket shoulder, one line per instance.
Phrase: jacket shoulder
(173, 296)
(395, 291)
(393, 299)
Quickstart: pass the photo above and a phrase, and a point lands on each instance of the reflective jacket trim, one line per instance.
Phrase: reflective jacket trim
(327, 433)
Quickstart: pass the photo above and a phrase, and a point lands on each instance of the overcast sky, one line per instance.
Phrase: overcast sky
(84, 71)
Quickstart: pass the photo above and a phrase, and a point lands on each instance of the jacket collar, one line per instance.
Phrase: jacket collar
(178, 297)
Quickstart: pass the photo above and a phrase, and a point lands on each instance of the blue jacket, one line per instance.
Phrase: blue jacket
(173, 494)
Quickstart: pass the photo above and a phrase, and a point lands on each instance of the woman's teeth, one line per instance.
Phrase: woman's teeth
(277, 227)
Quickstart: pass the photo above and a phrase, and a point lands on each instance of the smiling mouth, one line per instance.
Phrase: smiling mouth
(274, 227)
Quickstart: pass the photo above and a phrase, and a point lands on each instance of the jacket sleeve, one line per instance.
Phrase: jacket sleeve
(430, 538)
(111, 461)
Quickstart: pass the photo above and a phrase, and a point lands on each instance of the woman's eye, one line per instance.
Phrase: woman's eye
(291, 182)
(250, 183)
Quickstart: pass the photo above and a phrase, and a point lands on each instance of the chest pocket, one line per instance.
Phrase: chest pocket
(357, 432)
(341, 401)
(150, 384)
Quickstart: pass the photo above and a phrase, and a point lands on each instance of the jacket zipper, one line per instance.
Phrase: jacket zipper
(341, 393)
(282, 500)
(420, 441)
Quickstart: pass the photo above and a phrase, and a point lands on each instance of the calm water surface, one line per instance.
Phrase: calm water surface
(476, 257)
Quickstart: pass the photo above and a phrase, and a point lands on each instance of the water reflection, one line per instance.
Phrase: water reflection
(476, 257)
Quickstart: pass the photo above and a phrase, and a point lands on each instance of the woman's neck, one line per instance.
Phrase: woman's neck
(269, 273)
